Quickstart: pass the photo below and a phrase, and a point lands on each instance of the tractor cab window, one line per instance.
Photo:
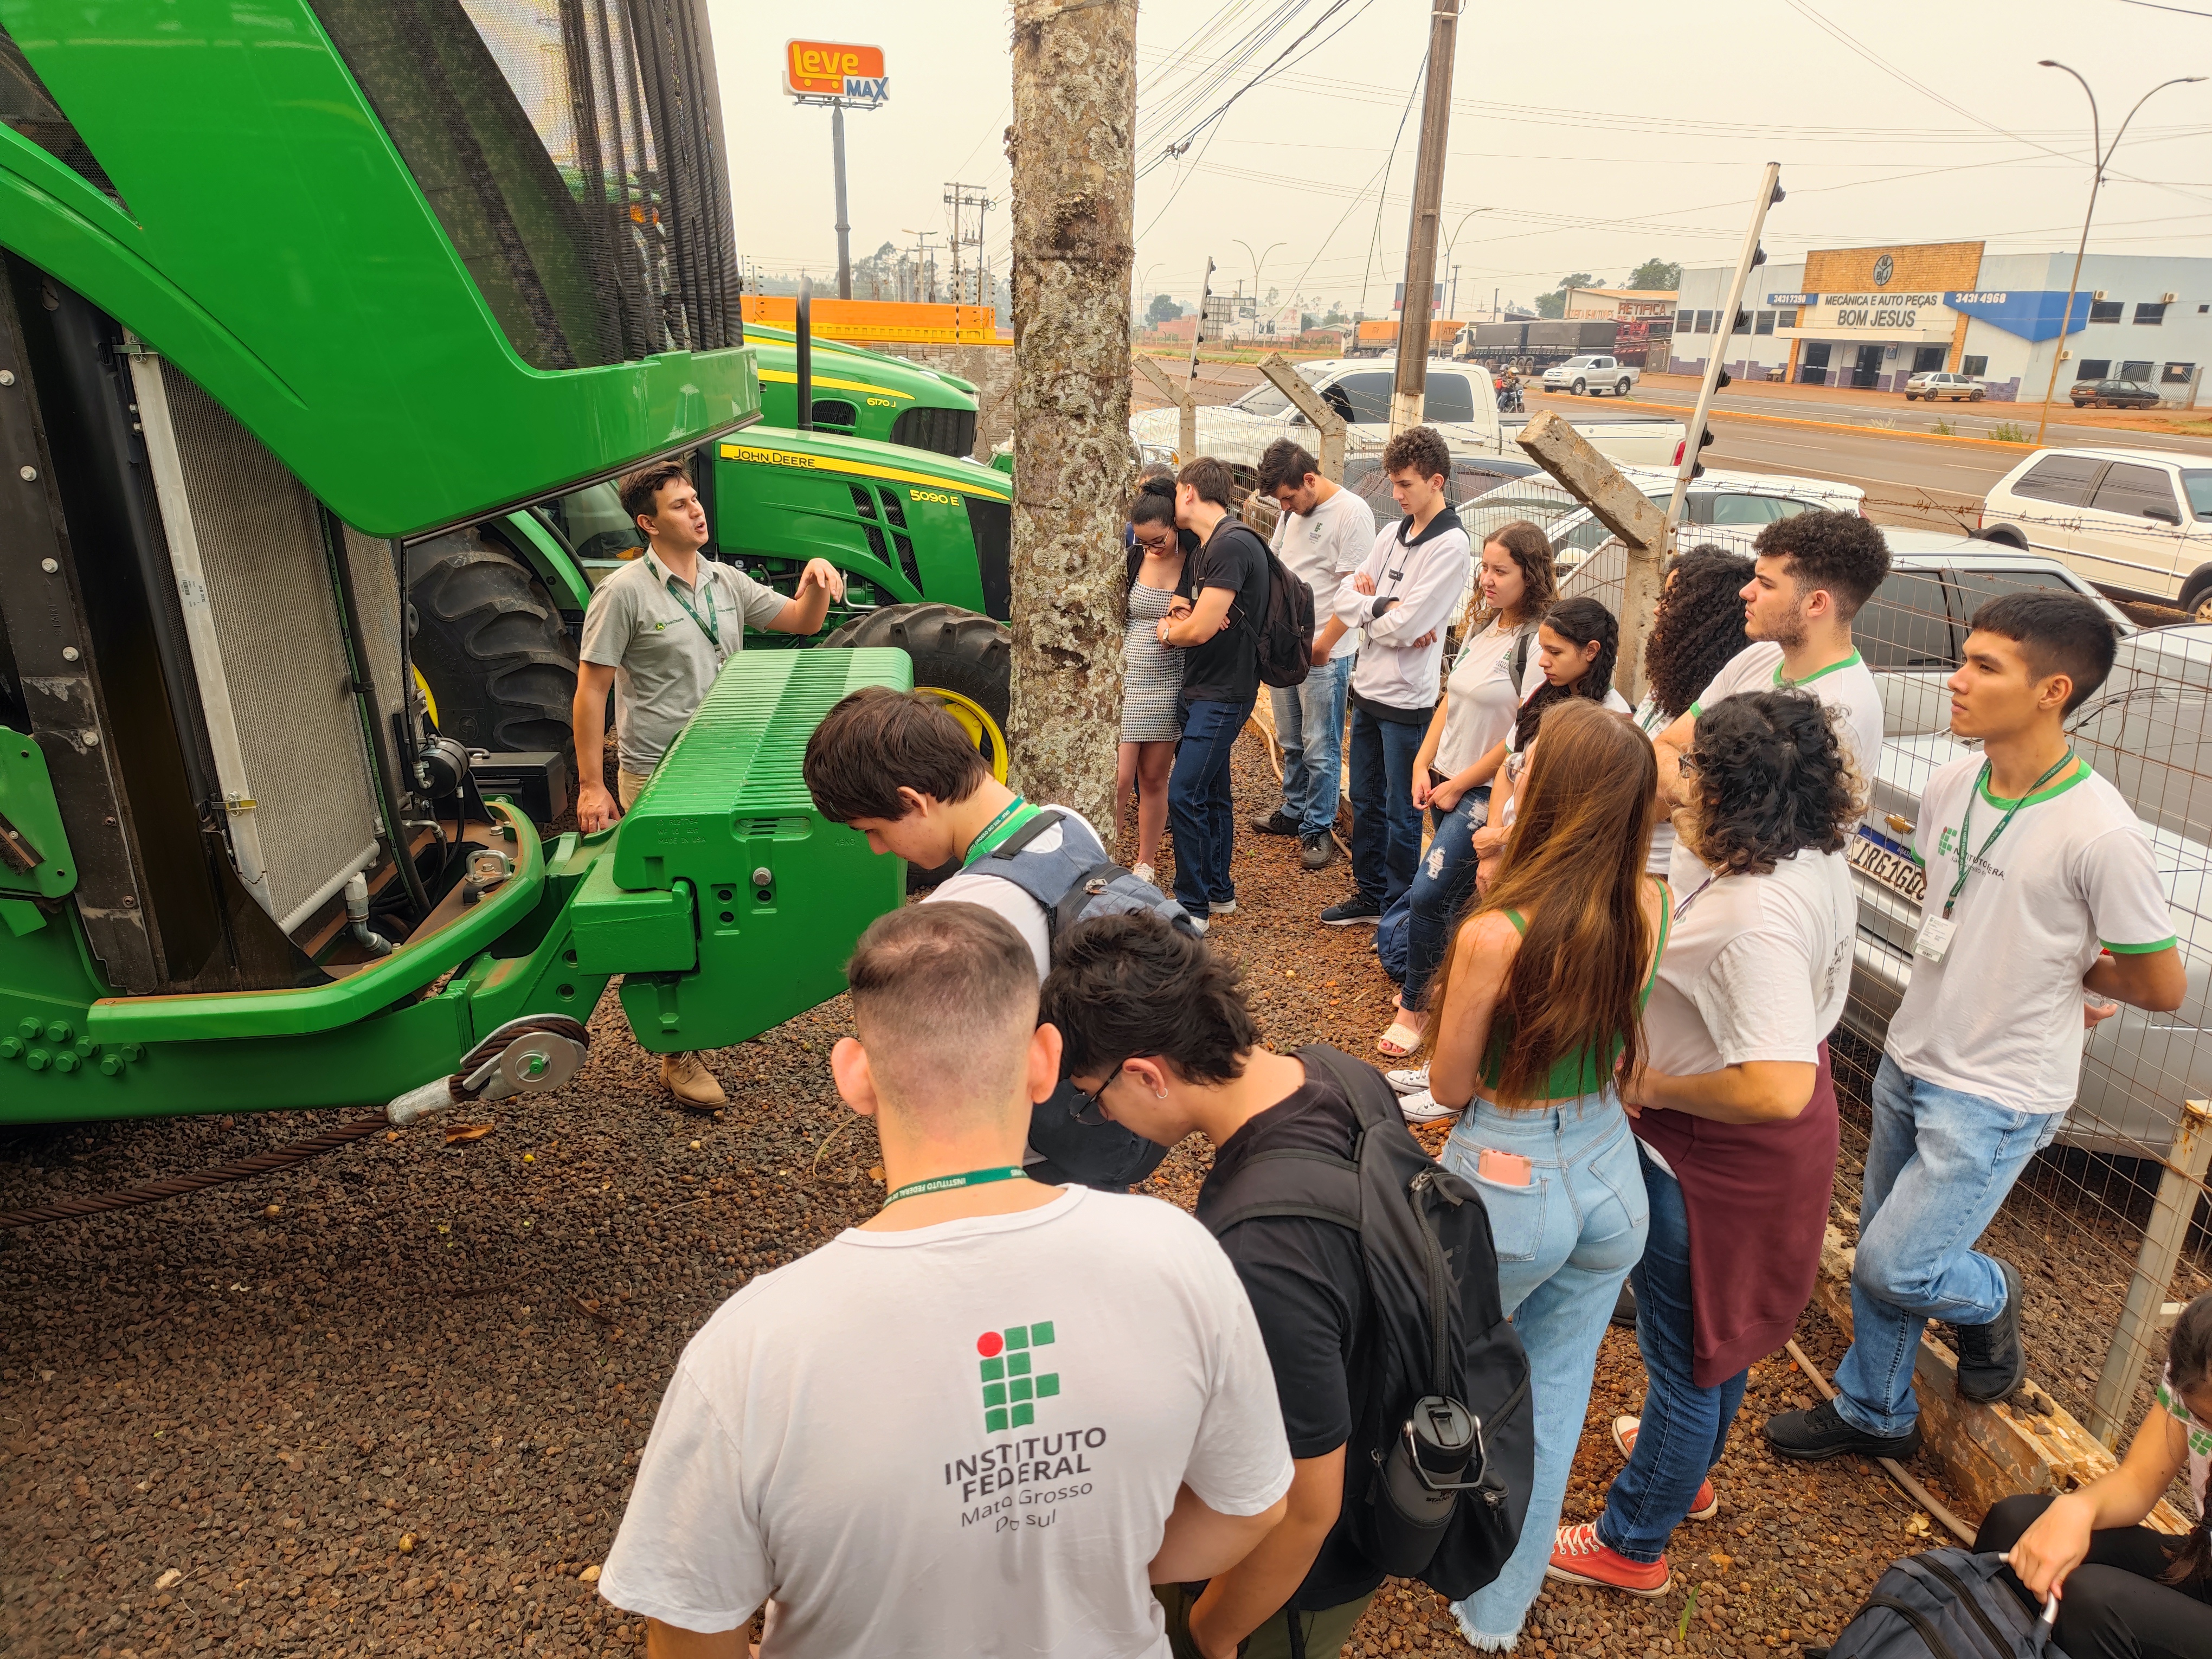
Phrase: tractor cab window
(592, 521)
(572, 158)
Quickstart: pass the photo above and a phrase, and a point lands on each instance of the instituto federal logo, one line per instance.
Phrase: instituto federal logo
(1943, 843)
(1884, 269)
(1011, 1382)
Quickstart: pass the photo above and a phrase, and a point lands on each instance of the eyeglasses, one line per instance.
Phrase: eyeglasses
(1159, 544)
(1685, 764)
(1092, 1112)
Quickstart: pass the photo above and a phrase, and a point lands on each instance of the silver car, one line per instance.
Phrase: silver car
(2146, 730)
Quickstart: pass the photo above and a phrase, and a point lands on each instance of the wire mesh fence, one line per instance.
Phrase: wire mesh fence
(2108, 1226)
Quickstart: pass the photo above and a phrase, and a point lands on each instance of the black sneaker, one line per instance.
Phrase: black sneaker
(1814, 1437)
(1277, 822)
(1990, 1362)
(1317, 852)
(1354, 911)
(1623, 1308)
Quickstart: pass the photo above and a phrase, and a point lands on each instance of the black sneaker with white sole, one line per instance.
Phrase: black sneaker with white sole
(1990, 1362)
(1814, 1437)
(1356, 911)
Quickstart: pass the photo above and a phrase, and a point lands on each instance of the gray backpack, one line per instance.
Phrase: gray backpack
(1076, 879)
(1946, 1604)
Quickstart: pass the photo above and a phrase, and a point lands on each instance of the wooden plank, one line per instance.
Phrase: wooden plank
(2180, 1184)
(2027, 1443)
(1311, 404)
(1621, 507)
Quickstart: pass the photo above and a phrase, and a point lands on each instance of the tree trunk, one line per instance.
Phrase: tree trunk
(1071, 148)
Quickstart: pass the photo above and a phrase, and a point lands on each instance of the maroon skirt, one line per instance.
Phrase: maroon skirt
(1758, 1196)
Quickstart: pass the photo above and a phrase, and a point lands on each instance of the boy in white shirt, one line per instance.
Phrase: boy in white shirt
(1324, 533)
(1402, 597)
(985, 1421)
(1814, 572)
(2041, 892)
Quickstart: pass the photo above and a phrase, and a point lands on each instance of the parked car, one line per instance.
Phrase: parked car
(2136, 522)
(2113, 394)
(1460, 402)
(1725, 507)
(2146, 730)
(1594, 374)
(1932, 384)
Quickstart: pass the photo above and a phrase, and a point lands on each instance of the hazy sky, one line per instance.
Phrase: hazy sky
(1596, 133)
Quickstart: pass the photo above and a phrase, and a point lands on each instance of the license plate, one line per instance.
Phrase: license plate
(1892, 870)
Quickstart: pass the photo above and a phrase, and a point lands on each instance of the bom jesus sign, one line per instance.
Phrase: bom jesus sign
(825, 68)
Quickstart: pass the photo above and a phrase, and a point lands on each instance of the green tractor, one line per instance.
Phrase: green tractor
(875, 486)
(243, 867)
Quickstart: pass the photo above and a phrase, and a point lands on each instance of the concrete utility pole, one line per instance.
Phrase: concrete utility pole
(1410, 390)
(844, 230)
(1624, 509)
(1073, 147)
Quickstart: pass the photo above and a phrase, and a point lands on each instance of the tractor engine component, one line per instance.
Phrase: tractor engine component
(357, 903)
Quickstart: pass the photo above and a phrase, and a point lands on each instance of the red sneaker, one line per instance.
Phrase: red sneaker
(1703, 1507)
(1579, 1558)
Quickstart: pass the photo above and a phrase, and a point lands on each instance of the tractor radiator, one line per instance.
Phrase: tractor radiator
(261, 612)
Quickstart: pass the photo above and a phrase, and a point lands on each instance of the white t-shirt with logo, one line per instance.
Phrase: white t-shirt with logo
(1325, 546)
(2001, 1015)
(1757, 968)
(1651, 720)
(1849, 687)
(2199, 1436)
(964, 1438)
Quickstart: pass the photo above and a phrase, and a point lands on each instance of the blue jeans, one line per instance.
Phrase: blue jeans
(1199, 812)
(1683, 1427)
(1938, 1164)
(1441, 885)
(1386, 830)
(1310, 725)
(1564, 1242)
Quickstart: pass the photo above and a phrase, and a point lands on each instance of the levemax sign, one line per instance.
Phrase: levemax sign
(825, 68)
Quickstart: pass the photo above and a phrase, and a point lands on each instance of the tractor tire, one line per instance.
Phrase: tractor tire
(489, 643)
(962, 659)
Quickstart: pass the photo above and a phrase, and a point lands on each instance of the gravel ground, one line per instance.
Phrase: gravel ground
(389, 1402)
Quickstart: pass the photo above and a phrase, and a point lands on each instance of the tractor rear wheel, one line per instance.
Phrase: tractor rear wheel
(962, 659)
(488, 645)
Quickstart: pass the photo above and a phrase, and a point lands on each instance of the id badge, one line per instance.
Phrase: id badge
(1935, 933)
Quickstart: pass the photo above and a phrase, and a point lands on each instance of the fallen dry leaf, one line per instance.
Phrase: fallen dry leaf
(1916, 1525)
(875, 1174)
(169, 1579)
(458, 1133)
(1723, 1562)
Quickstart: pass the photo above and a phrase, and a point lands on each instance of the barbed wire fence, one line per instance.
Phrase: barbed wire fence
(2108, 1226)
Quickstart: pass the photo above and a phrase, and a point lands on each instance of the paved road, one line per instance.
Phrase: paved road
(1969, 419)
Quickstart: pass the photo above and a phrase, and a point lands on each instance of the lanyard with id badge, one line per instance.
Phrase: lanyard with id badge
(1937, 932)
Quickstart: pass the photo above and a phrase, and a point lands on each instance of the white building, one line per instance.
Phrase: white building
(1873, 317)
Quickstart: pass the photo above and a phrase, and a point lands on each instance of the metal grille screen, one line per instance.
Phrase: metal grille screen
(376, 590)
(269, 590)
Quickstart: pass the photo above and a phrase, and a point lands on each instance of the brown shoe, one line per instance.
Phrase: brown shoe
(691, 1083)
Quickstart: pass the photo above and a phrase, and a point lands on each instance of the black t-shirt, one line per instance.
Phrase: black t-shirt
(1227, 668)
(1309, 1289)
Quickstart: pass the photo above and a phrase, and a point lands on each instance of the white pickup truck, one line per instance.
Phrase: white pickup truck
(1594, 374)
(1461, 403)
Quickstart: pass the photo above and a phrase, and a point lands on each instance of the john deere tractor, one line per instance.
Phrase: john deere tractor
(322, 325)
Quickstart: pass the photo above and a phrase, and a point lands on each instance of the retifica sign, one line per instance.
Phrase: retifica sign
(826, 68)
(1874, 315)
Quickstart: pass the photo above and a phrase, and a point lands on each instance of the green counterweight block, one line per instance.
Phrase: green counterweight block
(730, 904)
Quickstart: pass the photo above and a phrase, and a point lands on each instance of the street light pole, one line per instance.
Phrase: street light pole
(1258, 259)
(2100, 158)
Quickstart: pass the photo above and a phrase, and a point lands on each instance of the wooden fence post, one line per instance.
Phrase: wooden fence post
(1186, 427)
(1624, 509)
(2180, 1186)
(1311, 404)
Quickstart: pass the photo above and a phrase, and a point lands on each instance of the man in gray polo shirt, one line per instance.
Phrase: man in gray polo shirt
(658, 631)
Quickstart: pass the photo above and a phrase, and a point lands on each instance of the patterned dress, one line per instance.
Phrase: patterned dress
(1152, 673)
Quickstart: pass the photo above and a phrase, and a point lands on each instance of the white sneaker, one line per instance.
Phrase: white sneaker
(1410, 1080)
(1197, 923)
(1222, 906)
(1142, 873)
(1422, 1108)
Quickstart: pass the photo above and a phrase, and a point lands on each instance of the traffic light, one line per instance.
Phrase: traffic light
(1723, 379)
(1697, 468)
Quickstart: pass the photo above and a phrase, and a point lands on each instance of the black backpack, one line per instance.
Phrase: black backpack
(1283, 630)
(1077, 880)
(1946, 1604)
(1446, 1365)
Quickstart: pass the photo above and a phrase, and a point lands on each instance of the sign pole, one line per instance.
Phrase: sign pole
(844, 230)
